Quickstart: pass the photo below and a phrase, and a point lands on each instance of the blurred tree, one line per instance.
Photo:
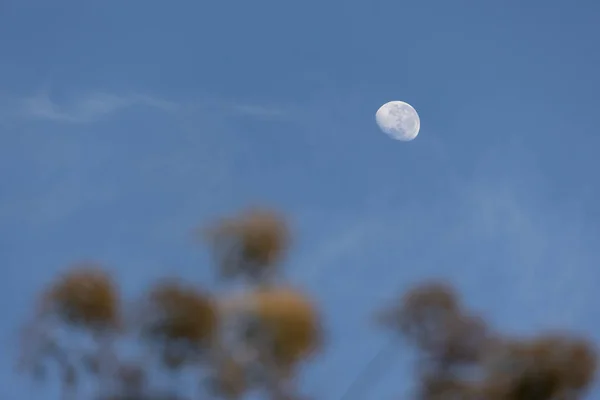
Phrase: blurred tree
(461, 358)
(180, 321)
(85, 297)
(258, 339)
(249, 245)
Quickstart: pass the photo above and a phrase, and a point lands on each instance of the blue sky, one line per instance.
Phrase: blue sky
(125, 124)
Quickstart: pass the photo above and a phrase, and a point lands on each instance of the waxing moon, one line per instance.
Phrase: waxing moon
(399, 120)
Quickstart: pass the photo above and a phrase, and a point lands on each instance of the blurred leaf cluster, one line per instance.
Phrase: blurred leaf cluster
(255, 339)
(461, 357)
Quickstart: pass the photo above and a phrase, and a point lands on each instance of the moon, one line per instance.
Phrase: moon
(399, 120)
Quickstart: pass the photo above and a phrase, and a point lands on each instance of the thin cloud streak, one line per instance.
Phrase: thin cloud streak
(98, 105)
(86, 109)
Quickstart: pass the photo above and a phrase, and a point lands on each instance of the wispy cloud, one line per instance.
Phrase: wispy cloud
(97, 105)
(92, 106)
(498, 239)
(88, 108)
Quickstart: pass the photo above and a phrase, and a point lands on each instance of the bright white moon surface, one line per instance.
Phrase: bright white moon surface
(399, 120)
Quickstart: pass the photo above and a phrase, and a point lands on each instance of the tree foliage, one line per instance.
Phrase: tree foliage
(256, 339)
